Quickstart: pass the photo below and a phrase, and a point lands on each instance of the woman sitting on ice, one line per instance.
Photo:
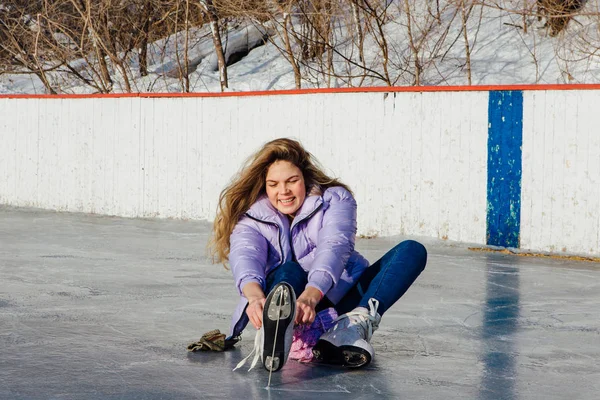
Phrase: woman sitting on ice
(287, 231)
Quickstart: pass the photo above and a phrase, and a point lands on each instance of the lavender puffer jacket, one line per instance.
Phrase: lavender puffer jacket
(321, 238)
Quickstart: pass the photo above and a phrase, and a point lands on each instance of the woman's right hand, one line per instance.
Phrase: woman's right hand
(256, 302)
(255, 310)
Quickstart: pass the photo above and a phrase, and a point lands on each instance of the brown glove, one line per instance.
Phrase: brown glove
(213, 341)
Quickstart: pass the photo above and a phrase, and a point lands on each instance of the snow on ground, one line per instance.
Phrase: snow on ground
(501, 52)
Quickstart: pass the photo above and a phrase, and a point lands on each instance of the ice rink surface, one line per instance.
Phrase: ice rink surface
(96, 307)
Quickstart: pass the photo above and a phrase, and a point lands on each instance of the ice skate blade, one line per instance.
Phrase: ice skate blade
(280, 305)
(278, 319)
(272, 363)
(346, 356)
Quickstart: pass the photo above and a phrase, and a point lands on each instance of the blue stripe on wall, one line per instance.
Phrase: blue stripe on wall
(505, 140)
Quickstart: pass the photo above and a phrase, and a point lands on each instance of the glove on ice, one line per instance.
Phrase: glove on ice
(212, 341)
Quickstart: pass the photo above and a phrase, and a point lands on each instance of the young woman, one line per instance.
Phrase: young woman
(288, 231)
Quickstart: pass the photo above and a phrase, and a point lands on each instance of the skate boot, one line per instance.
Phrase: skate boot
(278, 325)
(274, 339)
(347, 343)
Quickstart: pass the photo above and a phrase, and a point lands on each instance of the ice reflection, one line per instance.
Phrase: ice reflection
(500, 322)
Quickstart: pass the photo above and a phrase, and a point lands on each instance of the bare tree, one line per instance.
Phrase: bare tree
(356, 17)
(91, 42)
(289, 53)
(66, 43)
(213, 17)
(413, 44)
(427, 35)
(465, 12)
(19, 39)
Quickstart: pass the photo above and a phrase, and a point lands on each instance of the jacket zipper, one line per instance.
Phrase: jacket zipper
(309, 216)
(278, 235)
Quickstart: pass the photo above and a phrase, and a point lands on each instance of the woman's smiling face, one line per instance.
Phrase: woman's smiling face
(285, 187)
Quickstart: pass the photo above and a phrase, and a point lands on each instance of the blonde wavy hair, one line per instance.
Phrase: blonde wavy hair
(249, 184)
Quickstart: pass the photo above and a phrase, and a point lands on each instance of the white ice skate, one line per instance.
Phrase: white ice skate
(347, 342)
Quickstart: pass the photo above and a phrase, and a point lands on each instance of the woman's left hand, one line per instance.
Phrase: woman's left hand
(306, 304)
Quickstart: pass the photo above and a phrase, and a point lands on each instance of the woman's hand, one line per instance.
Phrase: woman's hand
(255, 311)
(256, 302)
(306, 304)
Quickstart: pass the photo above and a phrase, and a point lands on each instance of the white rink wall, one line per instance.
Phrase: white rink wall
(417, 161)
(561, 172)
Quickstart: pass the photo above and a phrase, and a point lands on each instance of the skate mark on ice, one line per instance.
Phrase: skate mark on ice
(339, 389)
(375, 389)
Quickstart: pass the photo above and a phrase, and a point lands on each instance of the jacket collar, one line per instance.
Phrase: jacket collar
(311, 203)
(263, 210)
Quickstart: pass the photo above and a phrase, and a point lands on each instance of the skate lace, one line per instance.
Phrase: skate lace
(367, 322)
(257, 351)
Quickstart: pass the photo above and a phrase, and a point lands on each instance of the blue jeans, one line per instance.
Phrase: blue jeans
(385, 280)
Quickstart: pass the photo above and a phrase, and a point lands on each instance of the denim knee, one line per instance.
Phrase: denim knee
(416, 250)
(290, 272)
